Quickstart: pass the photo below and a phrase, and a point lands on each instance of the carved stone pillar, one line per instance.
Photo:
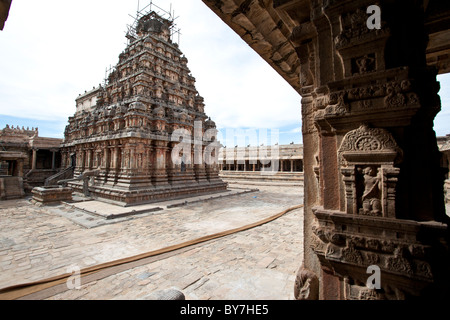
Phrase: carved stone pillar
(199, 164)
(20, 167)
(107, 157)
(53, 159)
(212, 166)
(117, 158)
(79, 160)
(90, 158)
(34, 159)
(373, 190)
(160, 177)
(171, 166)
(133, 162)
(148, 159)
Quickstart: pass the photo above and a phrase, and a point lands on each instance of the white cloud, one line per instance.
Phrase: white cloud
(53, 50)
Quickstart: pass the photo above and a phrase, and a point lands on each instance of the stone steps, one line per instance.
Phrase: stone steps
(256, 177)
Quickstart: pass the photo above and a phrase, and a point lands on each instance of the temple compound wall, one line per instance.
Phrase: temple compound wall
(289, 158)
(274, 165)
(373, 182)
(144, 136)
(26, 160)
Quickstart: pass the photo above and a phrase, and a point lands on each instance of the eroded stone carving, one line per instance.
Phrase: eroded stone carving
(365, 63)
(362, 245)
(365, 139)
(306, 285)
(400, 262)
(350, 254)
(371, 197)
(340, 107)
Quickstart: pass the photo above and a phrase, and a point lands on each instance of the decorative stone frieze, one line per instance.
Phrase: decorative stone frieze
(348, 244)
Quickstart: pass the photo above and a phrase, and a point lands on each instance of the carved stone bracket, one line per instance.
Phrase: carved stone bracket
(359, 100)
(348, 244)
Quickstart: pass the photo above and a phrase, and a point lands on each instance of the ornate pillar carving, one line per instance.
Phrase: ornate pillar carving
(160, 177)
(171, 166)
(372, 183)
(199, 164)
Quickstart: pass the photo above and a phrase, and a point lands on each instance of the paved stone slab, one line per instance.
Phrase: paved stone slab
(38, 243)
(112, 211)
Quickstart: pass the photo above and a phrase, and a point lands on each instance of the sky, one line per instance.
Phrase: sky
(52, 51)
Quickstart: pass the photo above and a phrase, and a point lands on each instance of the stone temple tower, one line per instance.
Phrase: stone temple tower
(143, 135)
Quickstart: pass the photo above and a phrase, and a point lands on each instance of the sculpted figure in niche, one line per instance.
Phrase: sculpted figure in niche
(365, 64)
(372, 192)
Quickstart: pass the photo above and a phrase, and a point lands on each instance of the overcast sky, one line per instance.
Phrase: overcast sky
(51, 51)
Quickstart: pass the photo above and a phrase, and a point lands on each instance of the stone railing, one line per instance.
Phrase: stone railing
(62, 175)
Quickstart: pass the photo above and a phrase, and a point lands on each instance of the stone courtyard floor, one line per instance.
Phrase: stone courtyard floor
(256, 264)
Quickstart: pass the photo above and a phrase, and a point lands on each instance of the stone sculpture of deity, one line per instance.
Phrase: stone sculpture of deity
(371, 197)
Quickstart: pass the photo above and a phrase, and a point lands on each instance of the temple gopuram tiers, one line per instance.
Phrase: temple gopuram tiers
(121, 135)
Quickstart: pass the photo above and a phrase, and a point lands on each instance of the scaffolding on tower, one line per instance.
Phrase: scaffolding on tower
(157, 13)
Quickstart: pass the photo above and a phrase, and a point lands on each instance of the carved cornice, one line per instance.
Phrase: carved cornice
(359, 100)
(344, 242)
(373, 142)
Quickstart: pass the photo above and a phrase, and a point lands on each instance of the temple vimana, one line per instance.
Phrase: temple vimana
(123, 130)
(375, 177)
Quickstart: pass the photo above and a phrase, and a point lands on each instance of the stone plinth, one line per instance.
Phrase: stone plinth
(51, 195)
(11, 188)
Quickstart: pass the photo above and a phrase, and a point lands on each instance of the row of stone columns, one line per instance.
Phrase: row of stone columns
(256, 166)
(34, 159)
(136, 158)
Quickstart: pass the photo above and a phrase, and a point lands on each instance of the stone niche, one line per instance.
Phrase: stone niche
(367, 157)
(368, 233)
